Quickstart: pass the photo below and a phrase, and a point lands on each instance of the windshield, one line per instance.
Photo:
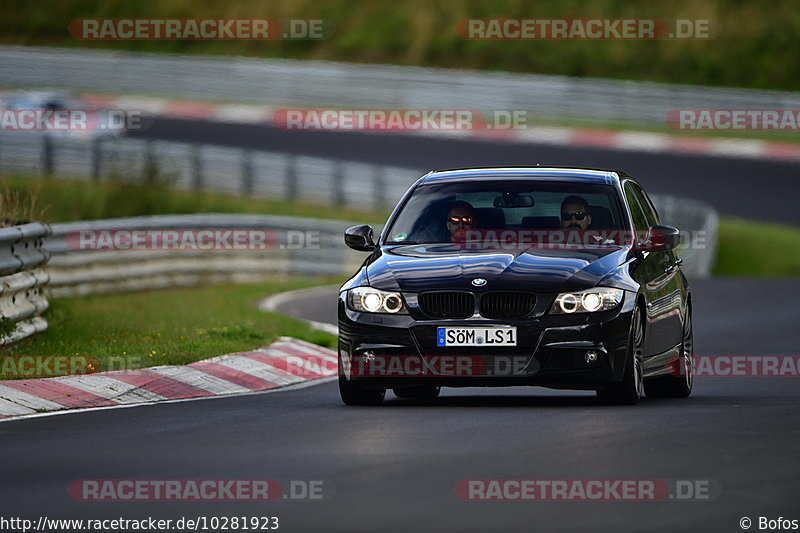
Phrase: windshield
(444, 212)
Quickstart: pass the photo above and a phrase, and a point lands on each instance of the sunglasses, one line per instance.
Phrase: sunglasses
(579, 215)
(456, 220)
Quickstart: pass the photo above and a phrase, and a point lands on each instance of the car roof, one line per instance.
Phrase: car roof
(573, 174)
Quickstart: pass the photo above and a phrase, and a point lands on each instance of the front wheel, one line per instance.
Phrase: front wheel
(354, 394)
(631, 388)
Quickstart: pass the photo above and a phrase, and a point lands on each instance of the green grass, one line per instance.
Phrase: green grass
(756, 46)
(175, 326)
(64, 200)
(745, 247)
(748, 248)
(179, 326)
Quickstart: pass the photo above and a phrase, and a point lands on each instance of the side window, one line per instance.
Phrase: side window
(640, 222)
(647, 206)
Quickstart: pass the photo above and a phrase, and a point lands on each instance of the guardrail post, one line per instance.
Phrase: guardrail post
(47, 155)
(196, 165)
(338, 183)
(291, 178)
(379, 188)
(150, 170)
(97, 156)
(22, 278)
(247, 172)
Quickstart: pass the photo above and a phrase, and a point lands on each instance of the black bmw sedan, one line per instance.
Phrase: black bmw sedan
(556, 277)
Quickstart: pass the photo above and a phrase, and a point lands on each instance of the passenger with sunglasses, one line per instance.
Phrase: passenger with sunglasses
(460, 219)
(575, 213)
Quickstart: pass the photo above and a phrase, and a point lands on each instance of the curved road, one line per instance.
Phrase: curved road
(394, 468)
(748, 188)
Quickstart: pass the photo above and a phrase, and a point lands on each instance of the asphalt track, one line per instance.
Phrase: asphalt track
(394, 468)
(747, 188)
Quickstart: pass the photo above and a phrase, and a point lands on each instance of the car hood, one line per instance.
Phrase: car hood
(416, 268)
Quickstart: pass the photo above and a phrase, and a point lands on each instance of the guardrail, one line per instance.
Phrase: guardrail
(698, 223)
(301, 246)
(255, 173)
(316, 83)
(22, 281)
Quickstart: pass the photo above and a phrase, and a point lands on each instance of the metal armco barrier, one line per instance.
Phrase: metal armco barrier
(283, 82)
(23, 280)
(302, 246)
(698, 223)
(255, 173)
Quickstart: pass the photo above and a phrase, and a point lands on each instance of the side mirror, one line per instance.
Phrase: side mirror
(360, 238)
(662, 238)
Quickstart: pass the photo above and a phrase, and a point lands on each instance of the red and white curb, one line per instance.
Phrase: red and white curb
(586, 138)
(286, 362)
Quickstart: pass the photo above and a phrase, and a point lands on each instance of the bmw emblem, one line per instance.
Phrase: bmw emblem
(479, 282)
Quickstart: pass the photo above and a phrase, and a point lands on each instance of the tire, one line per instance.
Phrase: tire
(677, 386)
(427, 392)
(354, 394)
(631, 388)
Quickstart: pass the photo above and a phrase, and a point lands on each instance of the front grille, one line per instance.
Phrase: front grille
(507, 304)
(447, 304)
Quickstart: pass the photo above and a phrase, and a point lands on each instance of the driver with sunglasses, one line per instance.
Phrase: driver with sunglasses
(575, 213)
(460, 219)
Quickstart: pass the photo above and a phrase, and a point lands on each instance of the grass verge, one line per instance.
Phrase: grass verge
(748, 248)
(755, 45)
(169, 327)
(65, 200)
(745, 247)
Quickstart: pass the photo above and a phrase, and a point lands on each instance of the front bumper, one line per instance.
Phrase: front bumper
(392, 351)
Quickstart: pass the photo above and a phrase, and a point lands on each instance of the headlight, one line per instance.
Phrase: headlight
(369, 300)
(588, 301)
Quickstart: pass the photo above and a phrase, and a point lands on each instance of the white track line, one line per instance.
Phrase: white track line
(271, 304)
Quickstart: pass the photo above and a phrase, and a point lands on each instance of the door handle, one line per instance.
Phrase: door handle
(678, 263)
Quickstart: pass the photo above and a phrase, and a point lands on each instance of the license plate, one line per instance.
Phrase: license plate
(484, 336)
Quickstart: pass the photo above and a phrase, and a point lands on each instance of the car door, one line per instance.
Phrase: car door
(671, 294)
(650, 275)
